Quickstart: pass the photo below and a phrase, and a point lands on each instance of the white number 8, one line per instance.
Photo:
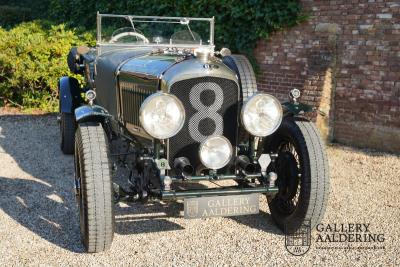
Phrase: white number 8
(204, 111)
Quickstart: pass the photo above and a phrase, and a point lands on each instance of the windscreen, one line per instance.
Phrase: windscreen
(137, 30)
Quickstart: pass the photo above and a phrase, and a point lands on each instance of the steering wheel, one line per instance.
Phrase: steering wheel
(115, 38)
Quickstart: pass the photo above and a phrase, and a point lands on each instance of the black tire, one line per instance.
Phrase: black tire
(93, 175)
(303, 175)
(67, 132)
(243, 69)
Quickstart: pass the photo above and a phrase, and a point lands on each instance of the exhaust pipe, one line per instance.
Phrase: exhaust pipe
(183, 167)
(245, 165)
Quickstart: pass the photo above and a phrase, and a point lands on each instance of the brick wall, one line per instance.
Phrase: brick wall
(346, 61)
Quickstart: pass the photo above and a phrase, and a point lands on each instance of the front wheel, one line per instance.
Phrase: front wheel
(303, 175)
(94, 191)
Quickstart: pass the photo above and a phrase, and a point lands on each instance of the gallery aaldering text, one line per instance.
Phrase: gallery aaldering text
(350, 232)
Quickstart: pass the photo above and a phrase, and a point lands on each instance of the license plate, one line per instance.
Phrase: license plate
(204, 207)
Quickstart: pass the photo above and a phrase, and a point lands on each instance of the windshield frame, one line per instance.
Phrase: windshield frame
(100, 43)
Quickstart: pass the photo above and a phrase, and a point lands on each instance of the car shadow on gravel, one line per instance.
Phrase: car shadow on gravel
(262, 221)
(37, 190)
(136, 218)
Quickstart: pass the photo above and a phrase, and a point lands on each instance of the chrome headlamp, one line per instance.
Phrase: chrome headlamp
(215, 152)
(162, 115)
(261, 114)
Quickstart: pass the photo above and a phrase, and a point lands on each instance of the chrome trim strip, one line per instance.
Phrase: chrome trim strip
(194, 68)
(153, 17)
(128, 45)
(212, 31)
(98, 26)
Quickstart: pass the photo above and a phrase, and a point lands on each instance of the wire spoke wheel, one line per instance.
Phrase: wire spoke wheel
(288, 168)
(303, 178)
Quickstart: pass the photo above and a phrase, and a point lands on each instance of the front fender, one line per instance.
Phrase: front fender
(91, 113)
(70, 94)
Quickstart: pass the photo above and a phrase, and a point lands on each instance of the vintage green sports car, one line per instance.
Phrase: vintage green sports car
(186, 113)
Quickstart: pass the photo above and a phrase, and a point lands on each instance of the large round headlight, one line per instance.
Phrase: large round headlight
(215, 152)
(162, 115)
(261, 114)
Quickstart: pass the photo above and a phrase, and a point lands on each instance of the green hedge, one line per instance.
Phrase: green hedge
(11, 15)
(239, 24)
(32, 59)
(33, 55)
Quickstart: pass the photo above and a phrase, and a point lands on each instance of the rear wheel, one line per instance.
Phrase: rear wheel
(94, 194)
(67, 131)
(303, 178)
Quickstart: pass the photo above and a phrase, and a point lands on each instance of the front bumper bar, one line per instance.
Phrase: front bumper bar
(172, 195)
(219, 177)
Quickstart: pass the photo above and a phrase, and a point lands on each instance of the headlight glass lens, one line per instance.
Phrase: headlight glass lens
(215, 152)
(162, 115)
(262, 114)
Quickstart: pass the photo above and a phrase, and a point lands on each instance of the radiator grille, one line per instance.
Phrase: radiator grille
(211, 108)
(133, 95)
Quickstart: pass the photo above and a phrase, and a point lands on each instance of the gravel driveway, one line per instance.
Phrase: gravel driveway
(39, 223)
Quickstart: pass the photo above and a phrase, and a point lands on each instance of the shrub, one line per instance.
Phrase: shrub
(32, 59)
(32, 55)
(239, 24)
